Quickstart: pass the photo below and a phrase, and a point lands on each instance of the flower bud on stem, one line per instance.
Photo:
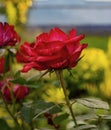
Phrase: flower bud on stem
(59, 75)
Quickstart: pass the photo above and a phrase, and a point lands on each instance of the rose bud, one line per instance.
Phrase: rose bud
(20, 92)
(16, 91)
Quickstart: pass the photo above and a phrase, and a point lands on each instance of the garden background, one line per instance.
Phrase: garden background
(92, 76)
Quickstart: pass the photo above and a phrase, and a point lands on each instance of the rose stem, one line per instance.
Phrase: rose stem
(61, 79)
(6, 106)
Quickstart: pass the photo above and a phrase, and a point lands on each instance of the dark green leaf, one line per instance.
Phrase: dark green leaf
(93, 103)
(56, 109)
(4, 125)
(31, 84)
(34, 110)
(27, 114)
(19, 80)
(42, 104)
(42, 107)
(60, 118)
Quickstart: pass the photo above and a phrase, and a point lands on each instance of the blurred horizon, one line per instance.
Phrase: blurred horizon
(70, 12)
(89, 16)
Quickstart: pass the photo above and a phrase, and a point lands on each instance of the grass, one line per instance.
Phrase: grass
(97, 41)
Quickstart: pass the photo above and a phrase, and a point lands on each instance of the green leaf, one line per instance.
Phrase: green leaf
(93, 103)
(105, 117)
(19, 80)
(31, 84)
(42, 107)
(27, 114)
(4, 125)
(85, 127)
(42, 104)
(34, 110)
(60, 118)
(56, 109)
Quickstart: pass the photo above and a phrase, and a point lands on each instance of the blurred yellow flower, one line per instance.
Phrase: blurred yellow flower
(106, 86)
(94, 63)
(53, 94)
(94, 59)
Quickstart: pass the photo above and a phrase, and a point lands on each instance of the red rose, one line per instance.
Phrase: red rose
(18, 91)
(55, 50)
(8, 36)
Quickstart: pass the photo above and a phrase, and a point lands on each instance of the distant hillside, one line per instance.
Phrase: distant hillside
(87, 29)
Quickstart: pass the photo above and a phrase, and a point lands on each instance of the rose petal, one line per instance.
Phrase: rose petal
(75, 39)
(57, 35)
(75, 56)
(26, 53)
(72, 33)
(62, 64)
(27, 49)
(35, 65)
(41, 38)
(49, 49)
(55, 57)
